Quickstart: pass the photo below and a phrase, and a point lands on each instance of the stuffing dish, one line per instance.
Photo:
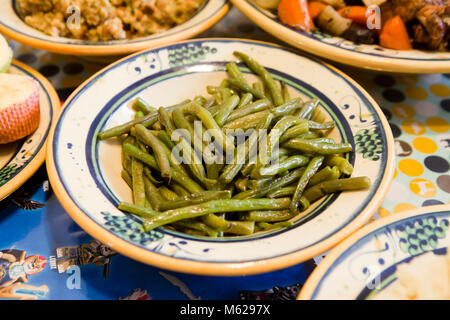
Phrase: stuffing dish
(402, 24)
(105, 20)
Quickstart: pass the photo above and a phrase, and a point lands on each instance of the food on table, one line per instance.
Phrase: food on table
(19, 107)
(403, 24)
(176, 182)
(426, 277)
(103, 20)
(6, 55)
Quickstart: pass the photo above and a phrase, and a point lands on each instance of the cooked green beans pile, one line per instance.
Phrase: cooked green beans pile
(259, 188)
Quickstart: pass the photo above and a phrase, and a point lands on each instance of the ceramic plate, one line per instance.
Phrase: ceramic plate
(365, 263)
(14, 27)
(20, 159)
(347, 52)
(84, 172)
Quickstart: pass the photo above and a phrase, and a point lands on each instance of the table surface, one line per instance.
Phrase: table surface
(78, 267)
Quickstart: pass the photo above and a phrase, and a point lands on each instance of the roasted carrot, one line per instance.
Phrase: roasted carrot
(355, 13)
(316, 8)
(394, 35)
(294, 13)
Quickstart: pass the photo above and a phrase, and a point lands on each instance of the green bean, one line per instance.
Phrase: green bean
(167, 194)
(126, 177)
(215, 206)
(241, 227)
(248, 122)
(308, 109)
(259, 86)
(196, 225)
(225, 226)
(264, 74)
(268, 216)
(177, 176)
(166, 121)
(210, 103)
(226, 109)
(241, 183)
(231, 170)
(311, 170)
(295, 131)
(140, 104)
(309, 146)
(234, 72)
(215, 222)
(285, 91)
(282, 192)
(137, 210)
(245, 152)
(164, 137)
(323, 140)
(146, 121)
(309, 135)
(126, 158)
(201, 100)
(270, 226)
(283, 166)
(243, 86)
(287, 108)
(292, 176)
(189, 155)
(344, 166)
(157, 126)
(321, 126)
(272, 142)
(318, 116)
(209, 122)
(145, 157)
(258, 105)
(178, 189)
(158, 149)
(152, 193)
(246, 98)
(139, 114)
(137, 178)
(149, 175)
(321, 175)
(195, 198)
(260, 183)
(330, 186)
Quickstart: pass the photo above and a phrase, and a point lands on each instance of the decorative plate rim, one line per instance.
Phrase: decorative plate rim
(314, 279)
(115, 49)
(325, 51)
(30, 168)
(220, 268)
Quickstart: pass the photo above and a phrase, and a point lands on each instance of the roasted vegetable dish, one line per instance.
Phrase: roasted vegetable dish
(394, 24)
(104, 20)
(283, 163)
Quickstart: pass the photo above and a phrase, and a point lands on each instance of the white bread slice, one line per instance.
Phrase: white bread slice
(19, 107)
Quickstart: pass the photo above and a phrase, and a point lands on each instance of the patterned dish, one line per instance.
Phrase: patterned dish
(12, 26)
(83, 171)
(347, 52)
(20, 159)
(365, 263)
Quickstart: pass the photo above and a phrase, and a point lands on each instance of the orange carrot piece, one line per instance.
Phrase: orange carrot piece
(394, 35)
(355, 13)
(295, 14)
(316, 8)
